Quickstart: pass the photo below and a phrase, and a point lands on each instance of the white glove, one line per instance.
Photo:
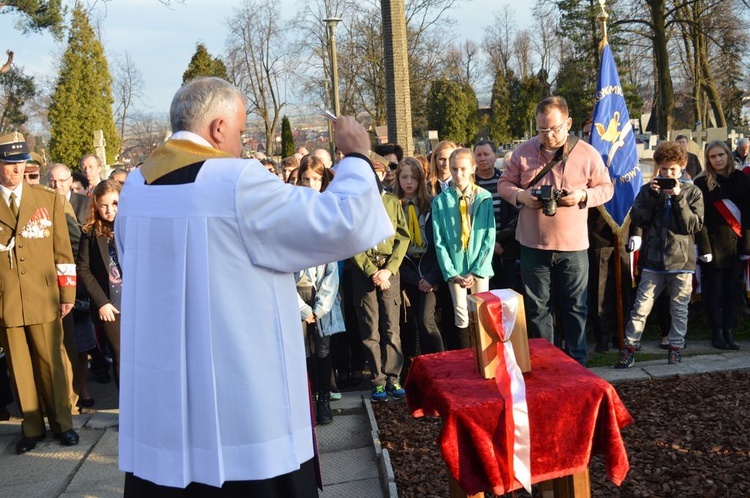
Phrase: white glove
(706, 258)
(634, 243)
(745, 257)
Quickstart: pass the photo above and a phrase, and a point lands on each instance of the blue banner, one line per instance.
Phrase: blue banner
(612, 135)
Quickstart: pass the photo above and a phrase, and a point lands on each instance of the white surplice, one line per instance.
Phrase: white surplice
(213, 384)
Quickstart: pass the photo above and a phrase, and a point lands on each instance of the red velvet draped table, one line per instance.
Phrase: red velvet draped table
(572, 415)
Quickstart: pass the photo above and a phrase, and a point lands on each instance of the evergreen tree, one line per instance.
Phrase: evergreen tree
(527, 95)
(452, 110)
(15, 89)
(203, 64)
(500, 106)
(574, 83)
(82, 100)
(38, 15)
(287, 138)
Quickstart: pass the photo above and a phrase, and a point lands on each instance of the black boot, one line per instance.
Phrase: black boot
(464, 337)
(729, 340)
(717, 339)
(323, 414)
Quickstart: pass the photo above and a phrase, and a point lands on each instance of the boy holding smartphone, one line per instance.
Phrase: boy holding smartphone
(670, 213)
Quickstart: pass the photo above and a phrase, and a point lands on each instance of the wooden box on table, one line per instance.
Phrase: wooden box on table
(484, 339)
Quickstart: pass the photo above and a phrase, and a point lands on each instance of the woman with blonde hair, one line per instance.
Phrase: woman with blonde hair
(724, 240)
(440, 171)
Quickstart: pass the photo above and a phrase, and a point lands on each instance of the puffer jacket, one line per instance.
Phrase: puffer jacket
(669, 227)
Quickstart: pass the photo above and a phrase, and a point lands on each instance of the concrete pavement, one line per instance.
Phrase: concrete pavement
(353, 463)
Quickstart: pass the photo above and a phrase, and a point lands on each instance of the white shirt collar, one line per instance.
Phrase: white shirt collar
(190, 136)
(6, 193)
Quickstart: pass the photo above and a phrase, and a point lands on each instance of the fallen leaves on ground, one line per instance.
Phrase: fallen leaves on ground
(691, 437)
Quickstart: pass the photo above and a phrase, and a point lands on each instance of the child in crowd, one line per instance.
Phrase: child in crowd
(99, 268)
(464, 223)
(320, 305)
(420, 272)
(670, 214)
(377, 298)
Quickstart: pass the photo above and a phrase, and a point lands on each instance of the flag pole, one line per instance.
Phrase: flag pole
(617, 252)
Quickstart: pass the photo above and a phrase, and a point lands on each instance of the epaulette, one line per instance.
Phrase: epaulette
(42, 187)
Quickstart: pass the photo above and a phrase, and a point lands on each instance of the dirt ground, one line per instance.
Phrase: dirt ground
(691, 437)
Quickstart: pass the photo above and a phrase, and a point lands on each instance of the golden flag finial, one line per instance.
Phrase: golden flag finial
(603, 16)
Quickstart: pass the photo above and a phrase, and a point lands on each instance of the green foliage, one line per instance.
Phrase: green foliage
(203, 64)
(82, 100)
(38, 15)
(15, 89)
(500, 107)
(287, 138)
(575, 84)
(527, 93)
(512, 106)
(452, 110)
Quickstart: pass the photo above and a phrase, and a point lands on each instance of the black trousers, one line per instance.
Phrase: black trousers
(6, 394)
(719, 286)
(298, 484)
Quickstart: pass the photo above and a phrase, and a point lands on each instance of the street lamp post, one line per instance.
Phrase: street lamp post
(331, 23)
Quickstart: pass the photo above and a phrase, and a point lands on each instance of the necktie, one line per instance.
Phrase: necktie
(414, 230)
(465, 223)
(12, 205)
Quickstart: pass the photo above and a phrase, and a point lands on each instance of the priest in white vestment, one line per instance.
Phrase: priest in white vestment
(213, 389)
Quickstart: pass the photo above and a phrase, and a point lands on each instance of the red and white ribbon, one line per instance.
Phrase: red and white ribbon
(731, 214)
(66, 275)
(502, 307)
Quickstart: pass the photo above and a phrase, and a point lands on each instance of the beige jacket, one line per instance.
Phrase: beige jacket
(37, 270)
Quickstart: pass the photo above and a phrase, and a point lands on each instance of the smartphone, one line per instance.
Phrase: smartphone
(329, 115)
(666, 183)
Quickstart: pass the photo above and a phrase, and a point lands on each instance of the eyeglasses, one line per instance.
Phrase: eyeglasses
(393, 166)
(31, 176)
(555, 130)
(52, 181)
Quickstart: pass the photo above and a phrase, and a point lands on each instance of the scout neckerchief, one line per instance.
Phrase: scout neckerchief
(414, 229)
(463, 209)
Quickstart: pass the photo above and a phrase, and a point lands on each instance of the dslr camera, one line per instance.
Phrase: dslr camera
(549, 196)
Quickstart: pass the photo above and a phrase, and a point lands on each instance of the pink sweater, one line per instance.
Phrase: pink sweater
(567, 230)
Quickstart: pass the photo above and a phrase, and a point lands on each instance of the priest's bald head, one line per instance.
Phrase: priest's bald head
(212, 108)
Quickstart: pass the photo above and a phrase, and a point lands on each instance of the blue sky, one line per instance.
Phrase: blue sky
(161, 40)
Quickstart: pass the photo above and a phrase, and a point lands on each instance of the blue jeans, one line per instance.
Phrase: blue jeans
(557, 281)
(679, 287)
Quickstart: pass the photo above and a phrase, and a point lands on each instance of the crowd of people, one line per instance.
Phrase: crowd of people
(383, 249)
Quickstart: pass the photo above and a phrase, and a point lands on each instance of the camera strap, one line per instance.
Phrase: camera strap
(560, 155)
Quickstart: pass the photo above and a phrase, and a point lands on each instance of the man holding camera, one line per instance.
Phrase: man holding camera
(553, 178)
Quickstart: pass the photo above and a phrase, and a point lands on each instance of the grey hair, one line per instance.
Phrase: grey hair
(743, 141)
(117, 171)
(201, 100)
(59, 165)
(98, 161)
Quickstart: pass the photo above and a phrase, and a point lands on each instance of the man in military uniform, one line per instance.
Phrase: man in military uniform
(37, 278)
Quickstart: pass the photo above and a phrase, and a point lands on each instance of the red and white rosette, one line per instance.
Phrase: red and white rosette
(502, 307)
